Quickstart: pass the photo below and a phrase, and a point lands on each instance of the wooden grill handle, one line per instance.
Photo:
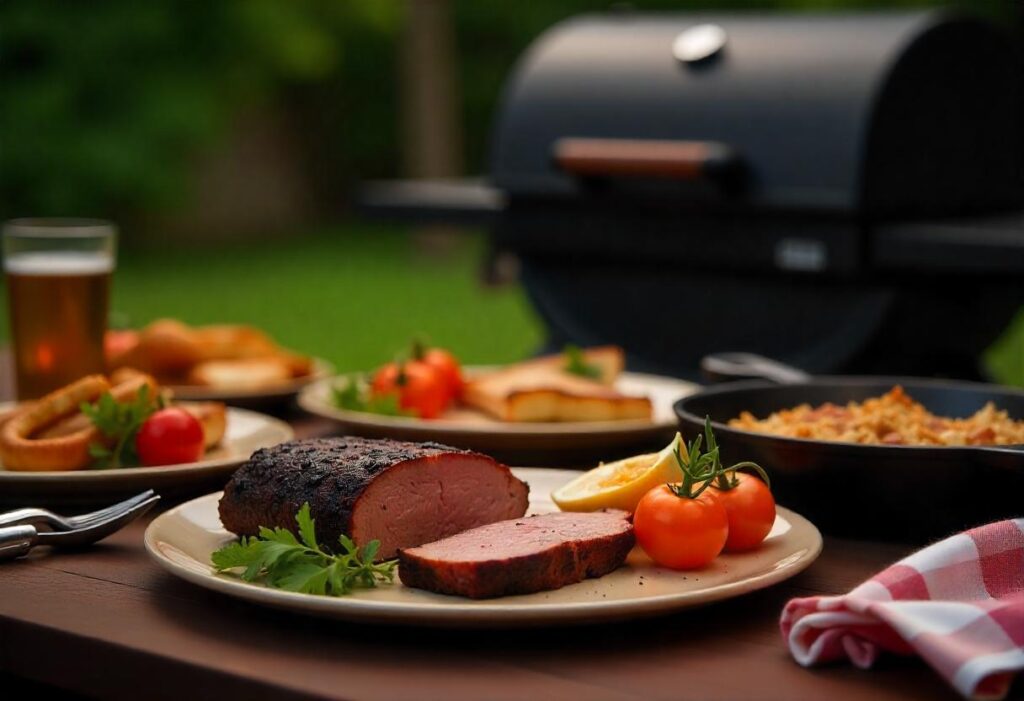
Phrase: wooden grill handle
(675, 160)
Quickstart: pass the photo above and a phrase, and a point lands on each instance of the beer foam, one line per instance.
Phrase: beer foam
(59, 263)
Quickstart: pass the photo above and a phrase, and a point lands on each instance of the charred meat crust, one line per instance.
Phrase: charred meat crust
(329, 473)
(552, 567)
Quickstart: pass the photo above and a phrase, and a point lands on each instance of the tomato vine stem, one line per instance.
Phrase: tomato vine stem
(704, 469)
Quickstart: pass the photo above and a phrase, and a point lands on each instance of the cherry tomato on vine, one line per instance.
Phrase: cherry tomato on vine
(680, 532)
(168, 437)
(446, 364)
(751, 510)
(385, 379)
(420, 388)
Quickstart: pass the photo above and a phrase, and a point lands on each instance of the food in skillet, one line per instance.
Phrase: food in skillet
(98, 422)
(892, 419)
(576, 385)
(223, 356)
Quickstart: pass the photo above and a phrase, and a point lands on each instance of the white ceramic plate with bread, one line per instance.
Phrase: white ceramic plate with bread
(565, 442)
(241, 385)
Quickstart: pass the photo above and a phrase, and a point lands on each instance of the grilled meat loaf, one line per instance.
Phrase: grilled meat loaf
(520, 556)
(402, 494)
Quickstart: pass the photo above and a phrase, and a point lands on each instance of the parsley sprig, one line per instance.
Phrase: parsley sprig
(353, 393)
(576, 363)
(119, 422)
(278, 559)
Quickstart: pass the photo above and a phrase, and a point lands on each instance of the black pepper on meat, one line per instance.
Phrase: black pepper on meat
(329, 473)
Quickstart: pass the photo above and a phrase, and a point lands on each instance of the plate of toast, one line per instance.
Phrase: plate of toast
(234, 363)
(532, 409)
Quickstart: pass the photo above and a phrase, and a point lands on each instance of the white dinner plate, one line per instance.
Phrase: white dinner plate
(256, 397)
(182, 539)
(566, 442)
(246, 432)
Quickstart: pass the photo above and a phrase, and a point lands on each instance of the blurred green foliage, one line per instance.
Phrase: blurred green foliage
(105, 104)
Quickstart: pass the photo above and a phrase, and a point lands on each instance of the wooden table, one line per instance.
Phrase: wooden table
(106, 622)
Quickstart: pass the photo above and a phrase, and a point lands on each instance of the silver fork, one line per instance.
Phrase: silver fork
(44, 517)
(16, 541)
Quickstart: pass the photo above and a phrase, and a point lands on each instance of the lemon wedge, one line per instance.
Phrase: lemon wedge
(620, 484)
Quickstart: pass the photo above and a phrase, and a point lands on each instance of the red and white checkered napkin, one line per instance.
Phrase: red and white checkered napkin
(959, 604)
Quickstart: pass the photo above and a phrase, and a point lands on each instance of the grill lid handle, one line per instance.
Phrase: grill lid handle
(646, 158)
(722, 367)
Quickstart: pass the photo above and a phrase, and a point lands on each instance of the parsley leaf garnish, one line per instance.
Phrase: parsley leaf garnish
(576, 363)
(119, 422)
(353, 393)
(278, 559)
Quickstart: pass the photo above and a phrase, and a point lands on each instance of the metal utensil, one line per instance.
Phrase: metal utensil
(44, 517)
(16, 541)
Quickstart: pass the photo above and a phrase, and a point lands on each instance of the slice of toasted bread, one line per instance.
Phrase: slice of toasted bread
(556, 405)
(212, 416)
(542, 390)
(164, 347)
(251, 373)
(609, 362)
(233, 342)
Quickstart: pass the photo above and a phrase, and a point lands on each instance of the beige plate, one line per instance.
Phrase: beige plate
(246, 431)
(524, 441)
(254, 397)
(182, 539)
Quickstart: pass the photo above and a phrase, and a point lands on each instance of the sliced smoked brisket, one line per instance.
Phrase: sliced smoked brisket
(520, 556)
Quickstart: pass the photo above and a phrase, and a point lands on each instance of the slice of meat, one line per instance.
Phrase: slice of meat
(520, 556)
(402, 494)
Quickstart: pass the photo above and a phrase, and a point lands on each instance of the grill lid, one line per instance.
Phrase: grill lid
(881, 113)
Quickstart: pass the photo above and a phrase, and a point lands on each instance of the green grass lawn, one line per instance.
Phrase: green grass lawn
(357, 295)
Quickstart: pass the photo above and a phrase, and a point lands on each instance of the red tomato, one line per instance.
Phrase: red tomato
(679, 532)
(751, 509)
(117, 343)
(385, 379)
(448, 366)
(420, 387)
(169, 437)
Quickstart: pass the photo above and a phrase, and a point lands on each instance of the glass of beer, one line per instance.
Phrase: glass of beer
(58, 294)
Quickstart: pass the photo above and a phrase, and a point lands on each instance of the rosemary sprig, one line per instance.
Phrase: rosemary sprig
(702, 469)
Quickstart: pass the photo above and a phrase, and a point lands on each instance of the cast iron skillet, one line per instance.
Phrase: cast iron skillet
(901, 493)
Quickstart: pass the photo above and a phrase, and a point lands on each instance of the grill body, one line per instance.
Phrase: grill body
(844, 192)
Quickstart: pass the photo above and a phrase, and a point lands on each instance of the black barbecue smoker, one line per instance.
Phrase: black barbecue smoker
(842, 192)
